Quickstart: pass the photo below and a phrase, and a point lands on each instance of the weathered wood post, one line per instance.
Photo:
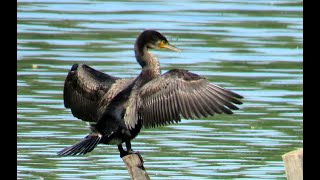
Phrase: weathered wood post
(135, 167)
(293, 162)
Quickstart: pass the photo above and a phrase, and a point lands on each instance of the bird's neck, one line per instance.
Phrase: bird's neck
(149, 63)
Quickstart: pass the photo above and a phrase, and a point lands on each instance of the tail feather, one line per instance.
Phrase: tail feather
(84, 146)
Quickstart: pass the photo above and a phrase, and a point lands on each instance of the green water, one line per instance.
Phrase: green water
(251, 47)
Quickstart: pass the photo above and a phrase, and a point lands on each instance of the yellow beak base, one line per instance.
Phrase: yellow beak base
(165, 45)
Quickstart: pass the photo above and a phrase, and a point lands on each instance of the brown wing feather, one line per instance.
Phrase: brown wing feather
(181, 93)
(83, 89)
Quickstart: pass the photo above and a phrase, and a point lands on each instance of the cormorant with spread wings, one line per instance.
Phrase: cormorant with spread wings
(118, 108)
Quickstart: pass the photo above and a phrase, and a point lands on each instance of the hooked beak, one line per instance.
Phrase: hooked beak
(166, 45)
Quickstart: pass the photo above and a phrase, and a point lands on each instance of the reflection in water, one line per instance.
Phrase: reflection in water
(254, 48)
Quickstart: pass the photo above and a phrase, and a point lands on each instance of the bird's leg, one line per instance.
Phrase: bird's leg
(130, 151)
(122, 152)
(128, 146)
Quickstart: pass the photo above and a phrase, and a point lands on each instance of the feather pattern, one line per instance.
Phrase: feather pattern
(84, 146)
(83, 89)
(179, 93)
(88, 92)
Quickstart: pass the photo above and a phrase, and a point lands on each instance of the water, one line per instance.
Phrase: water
(251, 47)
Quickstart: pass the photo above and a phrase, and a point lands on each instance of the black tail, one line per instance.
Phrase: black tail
(84, 146)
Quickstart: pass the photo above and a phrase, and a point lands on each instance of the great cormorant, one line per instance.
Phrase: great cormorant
(118, 108)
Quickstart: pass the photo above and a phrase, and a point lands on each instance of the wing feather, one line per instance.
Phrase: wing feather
(83, 89)
(179, 93)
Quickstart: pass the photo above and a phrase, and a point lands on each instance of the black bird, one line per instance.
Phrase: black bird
(118, 108)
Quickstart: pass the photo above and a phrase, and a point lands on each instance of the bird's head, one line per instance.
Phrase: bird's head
(154, 40)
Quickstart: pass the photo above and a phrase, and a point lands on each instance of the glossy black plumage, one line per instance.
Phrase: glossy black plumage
(118, 108)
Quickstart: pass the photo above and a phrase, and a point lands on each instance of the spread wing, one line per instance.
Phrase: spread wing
(180, 93)
(83, 89)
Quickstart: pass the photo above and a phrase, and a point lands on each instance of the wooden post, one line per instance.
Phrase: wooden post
(293, 162)
(135, 167)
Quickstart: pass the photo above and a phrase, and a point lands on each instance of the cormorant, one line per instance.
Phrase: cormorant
(118, 108)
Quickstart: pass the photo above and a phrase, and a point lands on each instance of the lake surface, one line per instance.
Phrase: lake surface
(252, 47)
